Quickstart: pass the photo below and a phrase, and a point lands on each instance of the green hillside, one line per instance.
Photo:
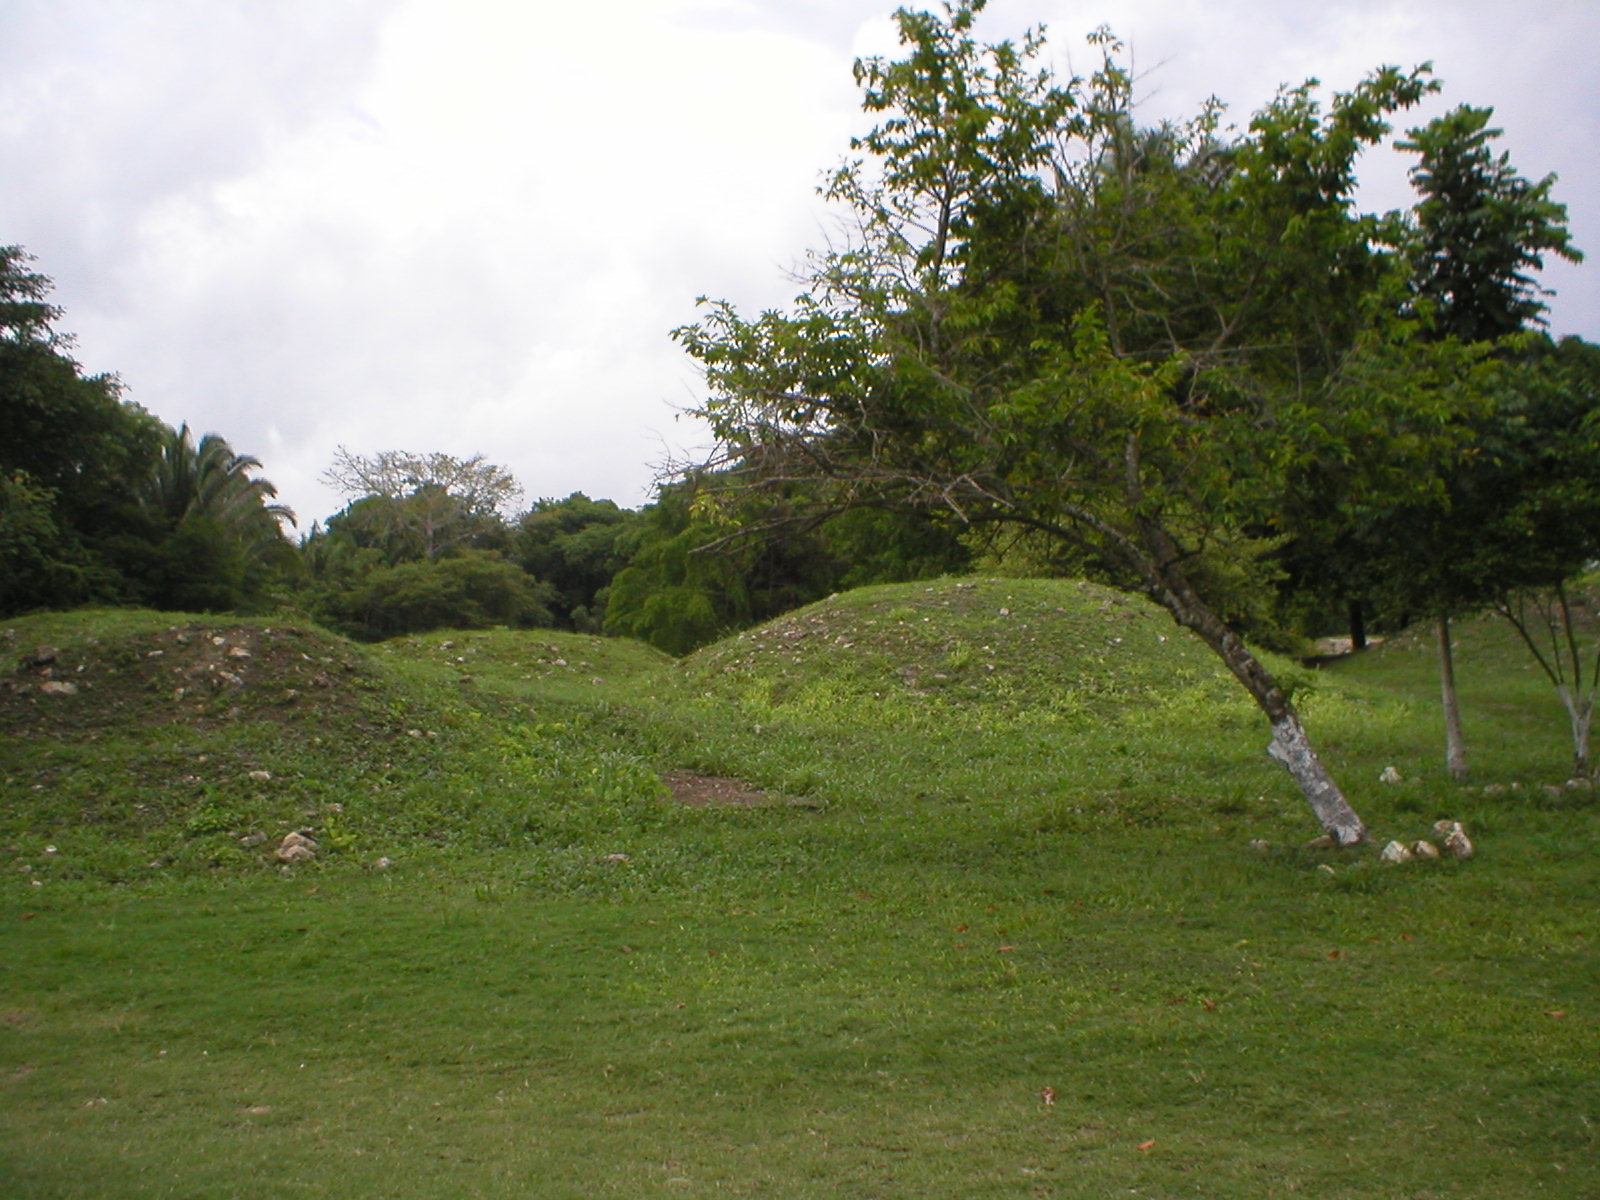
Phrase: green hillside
(978, 888)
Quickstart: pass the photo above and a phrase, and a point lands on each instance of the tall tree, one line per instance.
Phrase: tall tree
(72, 455)
(1479, 231)
(1050, 318)
(424, 504)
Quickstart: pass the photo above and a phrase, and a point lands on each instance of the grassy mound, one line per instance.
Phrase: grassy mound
(1064, 648)
(142, 742)
(543, 663)
(89, 673)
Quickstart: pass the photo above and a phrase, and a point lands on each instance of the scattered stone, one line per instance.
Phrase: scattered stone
(615, 858)
(1260, 846)
(296, 847)
(1326, 869)
(1424, 849)
(1390, 775)
(238, 652)
(39, 657)
(1456, 842)
(1326, 842)
(1395, 852)
(1579, 783)
(251, 840)
(382, 864)
(57, 687)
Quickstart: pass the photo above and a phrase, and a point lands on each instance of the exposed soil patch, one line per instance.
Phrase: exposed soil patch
(700, 791)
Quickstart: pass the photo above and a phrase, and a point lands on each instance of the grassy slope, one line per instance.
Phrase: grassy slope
(999, 884)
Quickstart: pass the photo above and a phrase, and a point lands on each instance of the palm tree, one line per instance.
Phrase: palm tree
(212, 481)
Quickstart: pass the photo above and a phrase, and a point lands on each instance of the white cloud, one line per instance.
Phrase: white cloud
(470, 225)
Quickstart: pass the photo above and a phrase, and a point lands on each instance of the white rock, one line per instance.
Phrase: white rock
(296, 847)
(1395, 852)
(1390, 775)
(1458, 845)
(261, 776)
(55, 687)
(1424, 849)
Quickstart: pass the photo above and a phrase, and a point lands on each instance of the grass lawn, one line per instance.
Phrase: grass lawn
(990, 926)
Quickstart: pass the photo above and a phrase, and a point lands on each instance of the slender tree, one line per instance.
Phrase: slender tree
(1480, 231)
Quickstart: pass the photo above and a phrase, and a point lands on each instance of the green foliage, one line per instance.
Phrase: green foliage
(574, 546)
(1504, 502)
(421, 505)
(472, 589)
(73, 455)
(1480, 229)
(698, 567)
(100, 500)
(1058, 320)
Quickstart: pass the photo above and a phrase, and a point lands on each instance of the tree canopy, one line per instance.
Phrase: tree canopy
(1130, 340)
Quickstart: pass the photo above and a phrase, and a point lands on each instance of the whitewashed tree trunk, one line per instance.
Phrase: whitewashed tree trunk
(1292, 748)
(1580, 711)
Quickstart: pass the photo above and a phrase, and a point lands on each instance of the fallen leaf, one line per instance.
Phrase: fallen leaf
(1147, 1145)
(1333, 954)
(1211, 1005)
(1557, 1013)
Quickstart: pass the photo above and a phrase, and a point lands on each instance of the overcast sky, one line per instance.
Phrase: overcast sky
(469, 225)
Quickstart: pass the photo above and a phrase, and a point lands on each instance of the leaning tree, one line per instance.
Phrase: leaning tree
(1125, 339)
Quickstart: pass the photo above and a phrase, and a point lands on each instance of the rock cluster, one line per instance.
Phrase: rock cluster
(1451, 834)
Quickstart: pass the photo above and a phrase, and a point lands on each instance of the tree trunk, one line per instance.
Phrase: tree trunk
(1580, 711)
(1455, 744)
(1358, 625)
(1290, 746)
